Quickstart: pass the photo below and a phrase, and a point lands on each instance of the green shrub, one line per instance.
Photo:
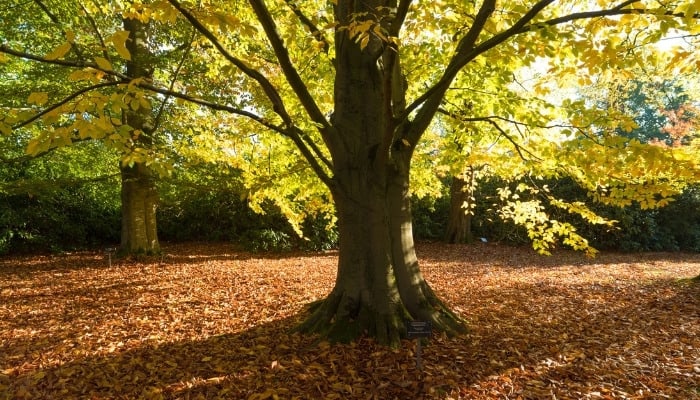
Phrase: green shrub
(57, 220)
(430, 217)
(193, 214)
(261, 240)
(671, 228)
(318, 236)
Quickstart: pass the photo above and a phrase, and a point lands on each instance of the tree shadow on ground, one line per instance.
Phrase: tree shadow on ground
(577, 341)
(561, 346)
(175, 253)
(536, 338)
(198, 252)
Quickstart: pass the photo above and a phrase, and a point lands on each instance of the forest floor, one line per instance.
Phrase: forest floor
(206, 322)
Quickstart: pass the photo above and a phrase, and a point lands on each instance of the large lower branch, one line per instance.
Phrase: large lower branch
(62, 102)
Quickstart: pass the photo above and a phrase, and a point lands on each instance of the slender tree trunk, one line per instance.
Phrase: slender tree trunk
(138, 192)
(459, 222)
(139, 202)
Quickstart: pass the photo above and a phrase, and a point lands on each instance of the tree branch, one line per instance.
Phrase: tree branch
(431, 99)
(617, 10)
(62, 102)
(124, 79)
(171, 88)
(312, 152)
(267, 87)
(437, 91)
(66, 63)
(93, 24)
(48, 12)
(491, 120)
(288, 68)
(515, 144)
(466, 51)
(289, 130)
(314, 147)
(467, 42)
(315, 32)
(312, 156)
(57, 22)
(504, 119)
(401, 13)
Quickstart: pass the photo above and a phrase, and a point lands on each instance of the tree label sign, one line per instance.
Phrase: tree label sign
(417, 329)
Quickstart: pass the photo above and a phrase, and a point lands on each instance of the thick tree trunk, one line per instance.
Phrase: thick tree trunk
(379, 284)
(459, 222)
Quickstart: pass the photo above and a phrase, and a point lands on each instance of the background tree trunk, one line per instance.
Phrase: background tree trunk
(138, 192)
(139, 202)
(459, 222)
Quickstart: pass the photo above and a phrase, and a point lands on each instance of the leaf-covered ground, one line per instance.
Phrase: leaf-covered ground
(208, 322)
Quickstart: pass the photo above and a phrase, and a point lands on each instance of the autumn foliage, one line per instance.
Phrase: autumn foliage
(208, 322)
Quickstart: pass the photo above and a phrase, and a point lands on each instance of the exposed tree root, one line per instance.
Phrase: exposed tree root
(341, 318)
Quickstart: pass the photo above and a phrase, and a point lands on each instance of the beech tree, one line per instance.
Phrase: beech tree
(352, 88)
(139, 196)
(58, 99)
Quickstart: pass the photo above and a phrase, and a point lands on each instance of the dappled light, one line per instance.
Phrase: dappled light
(208, 326)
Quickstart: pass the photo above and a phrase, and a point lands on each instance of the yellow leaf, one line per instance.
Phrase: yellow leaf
(33, 147)
(119, 39)
(59, 51)
(38, 98)
(145, 103)
(102, 63)
(627, 19)
(5, 129)
(269, 393)
(364, 41)
(88, 74)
